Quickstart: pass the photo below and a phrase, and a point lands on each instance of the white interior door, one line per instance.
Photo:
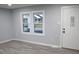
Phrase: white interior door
(70, 27)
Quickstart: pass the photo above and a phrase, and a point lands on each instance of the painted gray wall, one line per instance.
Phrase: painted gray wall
(10, 24)
(52, 26)
(5, 24)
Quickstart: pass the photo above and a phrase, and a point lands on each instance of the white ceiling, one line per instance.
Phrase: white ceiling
(14, 6)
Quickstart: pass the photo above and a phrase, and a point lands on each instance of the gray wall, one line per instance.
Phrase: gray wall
(5, 24)
(10, 24)
(52, 26)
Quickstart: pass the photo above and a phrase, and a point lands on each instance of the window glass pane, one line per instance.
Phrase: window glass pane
(25, 18)
(38, 22)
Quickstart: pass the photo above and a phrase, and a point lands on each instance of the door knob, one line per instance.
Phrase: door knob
(63, 29)
(63, 32)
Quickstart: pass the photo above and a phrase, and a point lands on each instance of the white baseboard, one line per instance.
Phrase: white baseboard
(4, 41)
(53, 46)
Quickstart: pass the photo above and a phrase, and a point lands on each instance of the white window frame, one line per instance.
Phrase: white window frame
(31, 23)
(42, 34)
(21, 13)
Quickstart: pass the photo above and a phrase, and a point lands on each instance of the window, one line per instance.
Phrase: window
(25, 22)
(32, 22)
(38, 22)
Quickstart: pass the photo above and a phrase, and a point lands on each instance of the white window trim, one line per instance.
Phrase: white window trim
(43, 23)
(22, 22)
(32, 25)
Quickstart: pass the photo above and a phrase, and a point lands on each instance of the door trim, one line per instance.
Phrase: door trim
(61, 35)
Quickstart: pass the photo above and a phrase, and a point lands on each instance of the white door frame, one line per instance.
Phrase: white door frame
(61, 34)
